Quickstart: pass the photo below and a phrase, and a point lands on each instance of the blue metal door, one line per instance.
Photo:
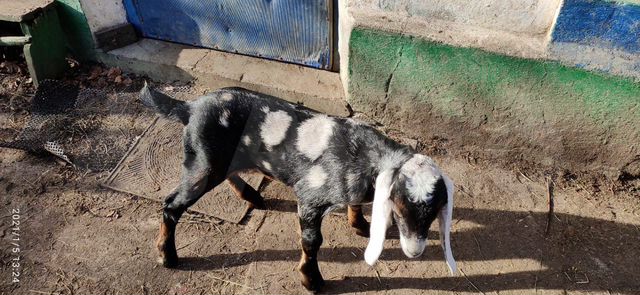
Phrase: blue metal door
(297, 31)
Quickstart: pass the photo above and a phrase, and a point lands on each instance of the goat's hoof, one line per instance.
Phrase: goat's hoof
(168, 263)
(168, 260)
(313, 284)
(362, 228)
(314, 287)
(363, 232)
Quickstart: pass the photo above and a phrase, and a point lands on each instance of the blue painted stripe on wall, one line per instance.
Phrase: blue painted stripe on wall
(599, 23)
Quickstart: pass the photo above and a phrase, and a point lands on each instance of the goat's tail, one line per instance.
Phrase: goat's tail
(165, 104)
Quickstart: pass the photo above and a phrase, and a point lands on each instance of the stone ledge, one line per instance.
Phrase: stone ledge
(164, 61)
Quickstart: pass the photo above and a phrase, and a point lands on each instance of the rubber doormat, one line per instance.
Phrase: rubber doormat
(152, 168)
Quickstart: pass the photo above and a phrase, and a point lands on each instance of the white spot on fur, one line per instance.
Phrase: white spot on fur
(314, 135)
(226, 96)
(274, 128)
(265, 109)
(224, 118)
(266, 165)
(422, 175)
(316, 177)
(246, 140)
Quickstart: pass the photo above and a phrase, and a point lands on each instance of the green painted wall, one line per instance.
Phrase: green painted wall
(494, 106)
(75, 26)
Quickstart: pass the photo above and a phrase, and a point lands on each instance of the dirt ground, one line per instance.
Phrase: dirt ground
(77, 238)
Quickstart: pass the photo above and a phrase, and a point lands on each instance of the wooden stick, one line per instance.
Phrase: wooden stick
(41, 292)
(189, 243)
(550, 203)
(470, 282)
(378, 277)
(523, 175)
(462, 190)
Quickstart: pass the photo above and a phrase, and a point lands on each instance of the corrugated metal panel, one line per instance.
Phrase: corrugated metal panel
(296, 31)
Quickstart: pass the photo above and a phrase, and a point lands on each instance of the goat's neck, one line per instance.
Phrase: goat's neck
(381, 154)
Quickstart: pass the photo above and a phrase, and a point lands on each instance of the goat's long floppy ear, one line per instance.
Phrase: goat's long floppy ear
(380, 216)
(444, 219)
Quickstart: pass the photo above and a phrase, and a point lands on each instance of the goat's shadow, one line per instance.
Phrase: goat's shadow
(579, 253)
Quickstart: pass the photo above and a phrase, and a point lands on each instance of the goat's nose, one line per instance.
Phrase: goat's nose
(413, 254)
(412, 248)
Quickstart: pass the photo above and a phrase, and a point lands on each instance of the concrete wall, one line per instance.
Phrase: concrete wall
(103, 14)
(516, 27)
(519, 16)
(495, 107)
(597, 35)
(81, 19)
(535, 82)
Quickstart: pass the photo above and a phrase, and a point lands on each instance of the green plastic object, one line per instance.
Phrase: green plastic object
(43, 41)
(74, 25)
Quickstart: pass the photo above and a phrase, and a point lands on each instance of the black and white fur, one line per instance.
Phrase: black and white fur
(329, 161)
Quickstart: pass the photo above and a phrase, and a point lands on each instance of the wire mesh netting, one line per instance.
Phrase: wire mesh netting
(88, 128)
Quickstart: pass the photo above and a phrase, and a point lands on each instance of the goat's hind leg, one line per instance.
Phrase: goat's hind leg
(246, 192)
(196, 181)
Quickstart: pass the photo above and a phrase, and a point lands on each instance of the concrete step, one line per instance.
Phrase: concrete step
(165, 61)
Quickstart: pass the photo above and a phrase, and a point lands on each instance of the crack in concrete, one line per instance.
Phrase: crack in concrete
(387, 83)
(349, 109)
(199, 60)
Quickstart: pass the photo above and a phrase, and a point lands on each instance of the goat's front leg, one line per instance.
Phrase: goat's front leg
(311, 239)
(197, 179)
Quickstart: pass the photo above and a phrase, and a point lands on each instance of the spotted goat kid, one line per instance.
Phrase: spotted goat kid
(330, 162)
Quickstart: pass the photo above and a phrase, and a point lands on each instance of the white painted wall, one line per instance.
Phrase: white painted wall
(519, 16)
(345, 25)
(103, 14)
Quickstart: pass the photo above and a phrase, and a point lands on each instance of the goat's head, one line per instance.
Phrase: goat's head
(415, 195)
